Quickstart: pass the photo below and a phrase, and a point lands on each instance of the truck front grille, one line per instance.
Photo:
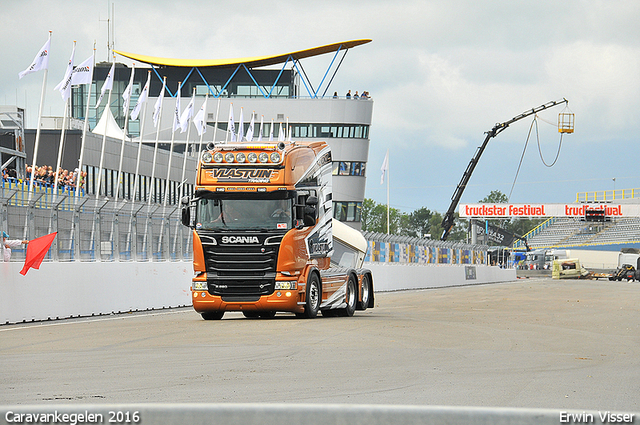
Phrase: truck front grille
(240, 269)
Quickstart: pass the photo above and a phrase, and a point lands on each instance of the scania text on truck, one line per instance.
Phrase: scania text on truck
(264, 239)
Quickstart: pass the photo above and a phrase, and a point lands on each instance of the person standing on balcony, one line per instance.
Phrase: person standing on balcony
(7, 244)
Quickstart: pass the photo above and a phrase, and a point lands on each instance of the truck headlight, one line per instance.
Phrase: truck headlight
(228, 157)
(252, 157)
(263, 157)
(199, 286)
(218, 157)
(283, 285)
(240, 157)
(275, 157)
(207, 157)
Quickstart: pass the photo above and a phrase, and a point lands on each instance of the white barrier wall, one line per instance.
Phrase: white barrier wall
(397, 276)
(62, 290)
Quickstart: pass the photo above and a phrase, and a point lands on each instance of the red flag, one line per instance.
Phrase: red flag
(36, 250)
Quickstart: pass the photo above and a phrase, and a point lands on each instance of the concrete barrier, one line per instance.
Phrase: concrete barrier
(78, 289)
(283, 414)
(62, 290)
(398, 276)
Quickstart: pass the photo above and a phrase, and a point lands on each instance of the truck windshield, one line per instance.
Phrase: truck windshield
(251, 214)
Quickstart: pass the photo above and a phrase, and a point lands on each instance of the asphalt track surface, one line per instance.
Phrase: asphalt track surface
(535, 343)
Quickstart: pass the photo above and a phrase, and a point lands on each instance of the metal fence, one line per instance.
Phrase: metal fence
(94, 229)
(405, 249)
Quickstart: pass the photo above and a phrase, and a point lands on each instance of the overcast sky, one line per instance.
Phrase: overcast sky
(441, 74)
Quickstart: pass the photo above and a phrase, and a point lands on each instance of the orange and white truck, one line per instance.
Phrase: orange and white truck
(264, 240)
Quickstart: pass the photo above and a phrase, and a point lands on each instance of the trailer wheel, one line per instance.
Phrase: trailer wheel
(351, 298)
(366, 293)
(313, 297)
(212, 315)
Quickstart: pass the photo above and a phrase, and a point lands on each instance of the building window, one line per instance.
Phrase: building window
(349, 168)
(347, 211)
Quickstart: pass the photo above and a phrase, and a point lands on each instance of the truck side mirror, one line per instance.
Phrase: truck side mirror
(309, 220)
(310, 211)
(186, 211)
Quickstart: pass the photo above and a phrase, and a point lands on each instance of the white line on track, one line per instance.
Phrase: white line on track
(70, 321)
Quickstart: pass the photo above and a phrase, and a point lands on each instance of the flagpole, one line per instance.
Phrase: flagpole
(62, 133)
(176, 121)
(184, 169)
(144, 115)
(65, 89)
(186, 148)
(152, 186)
(107, 109)
(173, 138)
(86, 121)
(37, 142)
(206, 98)
(127, 102)
(215, 127)
(388, 178)
(230, 126)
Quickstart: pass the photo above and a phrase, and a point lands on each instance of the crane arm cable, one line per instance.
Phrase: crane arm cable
(540, 149)
(526, 143)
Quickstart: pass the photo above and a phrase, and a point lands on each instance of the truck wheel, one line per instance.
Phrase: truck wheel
(212, 315)
(366, 293)
(313, 296)
(351, 297)
(267, 314)
(251, 314)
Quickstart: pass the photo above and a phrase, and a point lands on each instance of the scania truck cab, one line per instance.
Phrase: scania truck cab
(263, 234)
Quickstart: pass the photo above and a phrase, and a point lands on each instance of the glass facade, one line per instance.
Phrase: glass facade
(143, 191)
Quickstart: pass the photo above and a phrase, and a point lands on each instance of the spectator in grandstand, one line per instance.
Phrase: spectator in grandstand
(10, 243)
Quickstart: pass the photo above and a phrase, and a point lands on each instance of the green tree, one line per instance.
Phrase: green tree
(495, 197)
(517, 226)
(418, 223)
(374, 217)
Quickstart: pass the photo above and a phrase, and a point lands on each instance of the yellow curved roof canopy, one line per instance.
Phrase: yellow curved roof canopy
(252, 62)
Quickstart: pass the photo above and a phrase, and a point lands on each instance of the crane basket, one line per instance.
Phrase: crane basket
(565, 122)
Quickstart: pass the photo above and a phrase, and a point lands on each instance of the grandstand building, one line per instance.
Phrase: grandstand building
(609, 234)
(274, 90)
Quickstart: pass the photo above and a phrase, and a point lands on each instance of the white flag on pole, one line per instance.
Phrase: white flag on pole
(83, 73)
(41, 61)
(232, 126)
(108, 84)
(241, 126)
(271, 131)
(126, 95)
(385, 166)
(64, 86)
(141, 99)
(200, 119)
(157, 108)
(281, 134)
(176, 113)
(261, 126)
(186, 116)
(250, 129)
